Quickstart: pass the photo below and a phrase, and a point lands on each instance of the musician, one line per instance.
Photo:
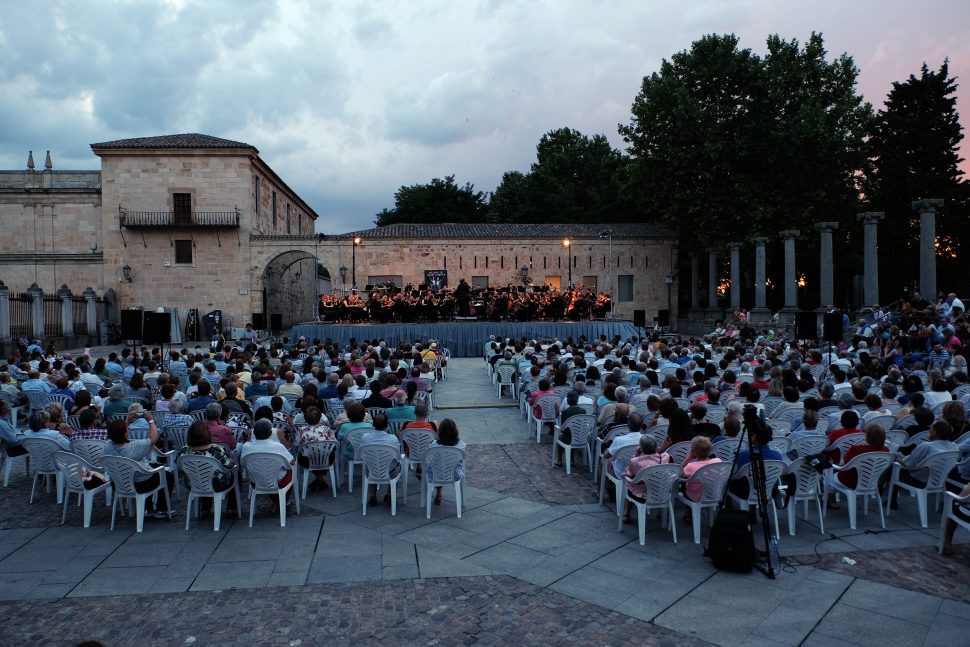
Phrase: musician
(463, 297)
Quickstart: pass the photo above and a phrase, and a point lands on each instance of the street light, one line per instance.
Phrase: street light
(608, 233)
(357, 242)
(343, 276)
(569, 247)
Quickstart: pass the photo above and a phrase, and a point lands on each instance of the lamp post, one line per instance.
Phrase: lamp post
(569, 247)
(353, 284)
(608, 233)
(343, 277)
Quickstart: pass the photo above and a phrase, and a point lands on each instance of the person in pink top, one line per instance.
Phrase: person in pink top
(699, 456)
(545, 388)
(646, 456)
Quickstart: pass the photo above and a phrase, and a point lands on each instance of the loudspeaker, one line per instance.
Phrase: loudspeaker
(212, 321)
(276, 322)
(259, 321)
(832, 321)
(157, 328)
(640, 318)
(131, 324)
(806, 325)
(663, 318)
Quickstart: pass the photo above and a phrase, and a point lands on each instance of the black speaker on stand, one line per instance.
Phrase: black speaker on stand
(275, 323)
(663, 318)
(157, 328)
(259, 321)
(806, 325)
(640, 318)
(832, 327)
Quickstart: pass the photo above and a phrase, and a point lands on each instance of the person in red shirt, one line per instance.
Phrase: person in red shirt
(849, 425)
(875, 442)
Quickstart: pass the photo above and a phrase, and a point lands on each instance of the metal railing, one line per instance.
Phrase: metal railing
(173, 219)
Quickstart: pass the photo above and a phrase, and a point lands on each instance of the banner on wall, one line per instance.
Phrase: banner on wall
(436, 279)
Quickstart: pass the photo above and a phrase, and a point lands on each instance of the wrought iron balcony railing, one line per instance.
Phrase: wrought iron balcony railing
(179, 219)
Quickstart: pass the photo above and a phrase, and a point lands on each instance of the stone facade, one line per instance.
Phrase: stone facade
(81, 229)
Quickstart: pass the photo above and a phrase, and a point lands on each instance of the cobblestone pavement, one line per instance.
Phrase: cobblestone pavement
(476, 610)
(532, 560)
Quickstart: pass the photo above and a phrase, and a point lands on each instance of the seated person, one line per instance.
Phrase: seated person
(758, 437)
(400, 409)
(646, 456)
(9, 436)
(699, 456)
(875, 442)
(963, 512)
(139, 450)
(702, 427)
(91, 426)
(379, 436)
(199, 442)
(218, 431)
(447, 437)
(849, 424)
(941, 440)
(809, 426)
(264, 441)
(376, 399)
(39, 425)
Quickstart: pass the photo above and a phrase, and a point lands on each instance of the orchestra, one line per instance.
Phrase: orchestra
(388, 303)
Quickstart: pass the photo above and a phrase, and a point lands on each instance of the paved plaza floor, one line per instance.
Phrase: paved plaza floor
(534, 559)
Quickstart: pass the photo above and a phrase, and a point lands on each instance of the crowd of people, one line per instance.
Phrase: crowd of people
(232, 401)
(385, 304)
(695, 391)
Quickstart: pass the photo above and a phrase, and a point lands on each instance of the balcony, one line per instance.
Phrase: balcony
(182, 219)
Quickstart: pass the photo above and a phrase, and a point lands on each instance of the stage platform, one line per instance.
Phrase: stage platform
(465, 338)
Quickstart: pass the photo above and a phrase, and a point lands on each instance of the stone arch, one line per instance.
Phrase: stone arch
(292, 282)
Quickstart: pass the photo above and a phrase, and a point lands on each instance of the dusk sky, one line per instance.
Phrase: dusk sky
(348, 101)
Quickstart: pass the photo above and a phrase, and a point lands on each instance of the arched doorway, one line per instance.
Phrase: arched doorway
(292, 283)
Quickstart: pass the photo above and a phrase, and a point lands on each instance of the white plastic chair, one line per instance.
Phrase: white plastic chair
(581, 428)
(322, 455)
(679, 452)
(199, 470)
(8, 460)
(12, 410)
(659, 433)
(949, 513)
(886, 422)
(713, 479)
(72, 467)
(773, 472)
(42, 451)
(263, 472)
(353, 438)
(896, 438)
(780, 427)
(726, 449)
(659, 481)
(808, 445)
(715, 415)
(417, 441)
(939, 465)
(807, 482)
(843, 443)
(504, 379)
(36, 400)
(547, 408)
(623, 455)
(441, 463)
(869, 467)
(122, 473)
(906, 421)
(377, 467)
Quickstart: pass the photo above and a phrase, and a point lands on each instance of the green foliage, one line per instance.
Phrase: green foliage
(914, 154)
(438, 201)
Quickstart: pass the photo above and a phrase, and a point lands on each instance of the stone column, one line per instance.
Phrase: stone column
(91, 311)
(927, 246)
(695, 279)
(735, 249)
(870, 221)
(4, 315)
(760, 312)
(791, 278)
(826, 289)
(713, 312)
(67, 311)
(37, 310)
(112, 308)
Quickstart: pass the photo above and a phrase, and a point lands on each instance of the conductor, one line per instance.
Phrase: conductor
(463, 298)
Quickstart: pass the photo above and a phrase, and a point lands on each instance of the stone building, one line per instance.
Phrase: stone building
(194, 221)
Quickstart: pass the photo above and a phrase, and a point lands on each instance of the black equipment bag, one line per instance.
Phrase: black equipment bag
(731, 546)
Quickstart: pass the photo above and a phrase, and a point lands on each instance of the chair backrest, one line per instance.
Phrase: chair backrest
(886, 422)
(90, 450)
(199, 470)
(74, 422)
(895, 438)
(849, 440)
(962, 439)
(773, 472)
(825, 412)
(562, 390)
(547, 406)
(42, 452)
(60, 399)
(919, 438)
(938, 409)
(505, 374)
(808, 445)
(869, 467)
(373, 411)
(263, 469)
(806, 476)
(770, 403)
(176, 436)
(780, 445)
(713, 477)
(623, 455)
(112, 417)
(939, 465)
(353, 437)
(790, 413)
(678, 451)
(122, 472)
(659, 433)
(715, 415)
(441, 462)
(725, 449)
(36, 399)
(72, 467)
(906, 421)
(197, 415)
(659, 481)
(240, 433)
(960, 391)
(378, 460)
(320, 453)
(683, 403)
(418, 442)
(780, 427)
(580, 427)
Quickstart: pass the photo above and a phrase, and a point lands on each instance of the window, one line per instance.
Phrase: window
(182, 208)
(287, 217)
(479, 282)
(624, 284)
(299, 223)
(274, 209)
(183, 252)
(554, 281)
(591, 282)
(256, 192)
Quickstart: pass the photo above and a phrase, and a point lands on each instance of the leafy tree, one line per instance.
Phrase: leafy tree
(510, 202)
(914, 154)
(438, 201)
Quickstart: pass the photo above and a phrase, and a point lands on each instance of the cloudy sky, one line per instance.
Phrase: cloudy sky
(350, 100)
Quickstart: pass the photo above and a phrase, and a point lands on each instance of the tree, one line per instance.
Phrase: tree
(438, 201)
(914, 154)
(510, 201)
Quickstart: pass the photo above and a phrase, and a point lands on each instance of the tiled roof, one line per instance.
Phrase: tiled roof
(506, 230)
(187, 140)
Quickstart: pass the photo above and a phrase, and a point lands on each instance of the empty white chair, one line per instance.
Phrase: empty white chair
(200, 470)
(807, 482)
(322, 456)
(621, 456)
(713, 478)
(73, 468)
(122, 473)
(869, 467)
(938, 465)
(949, 514)
(581, 427)
(263, 471)
(442, 463)
(380, 465)
(659, 481)
(42, 451)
